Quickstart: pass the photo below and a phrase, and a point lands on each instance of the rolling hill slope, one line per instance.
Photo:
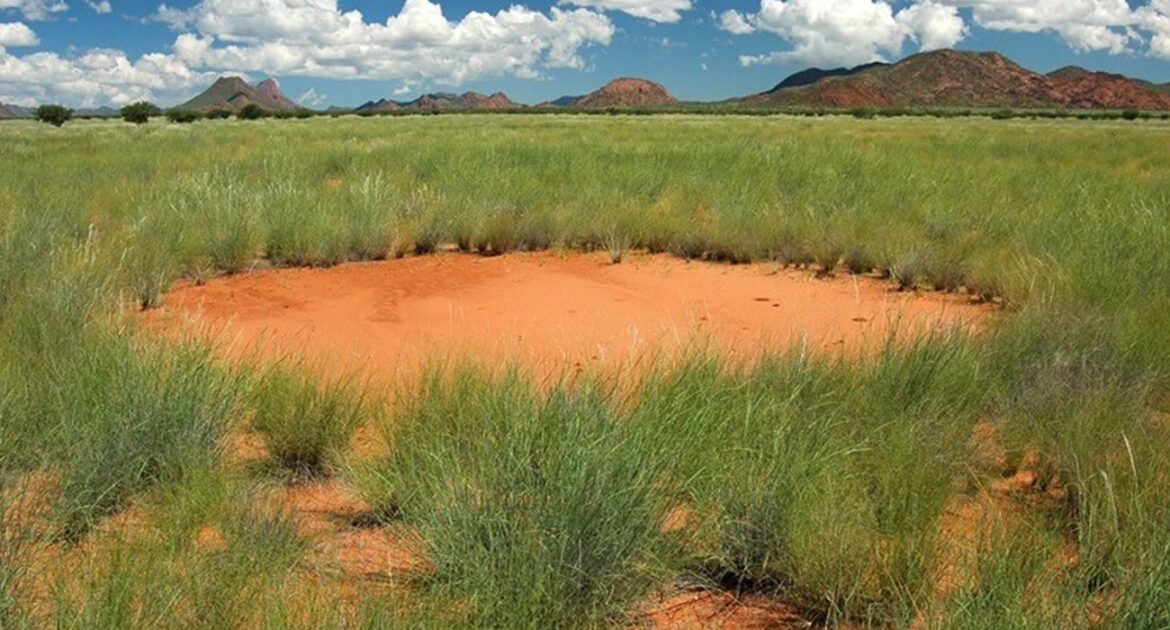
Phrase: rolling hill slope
(444, 101)
(233, 93)
(949, 78)
(627, 92)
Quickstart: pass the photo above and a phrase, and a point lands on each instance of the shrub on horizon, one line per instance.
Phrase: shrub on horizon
(55, 115)
(182, 116)
(252, 111)
(139, 113)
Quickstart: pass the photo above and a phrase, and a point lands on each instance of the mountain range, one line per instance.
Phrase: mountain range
(16, 111)
(234, 94)
(443, 101)
(937, 79)
(949, 78)
(623, 92)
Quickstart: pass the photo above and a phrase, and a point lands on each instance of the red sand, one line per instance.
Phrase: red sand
(548, 310)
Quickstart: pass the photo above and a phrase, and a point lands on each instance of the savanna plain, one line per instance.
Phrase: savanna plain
(1009, 474)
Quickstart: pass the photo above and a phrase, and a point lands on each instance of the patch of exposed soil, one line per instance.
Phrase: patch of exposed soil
(700, 610)
(347, 542)
(554, 313)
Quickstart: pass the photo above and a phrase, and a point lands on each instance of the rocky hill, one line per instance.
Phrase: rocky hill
(233, 93)
(1101, 90)
(812, 75)
(8, 110)
(269, 89)
(381, 105)
(949, 78)
(627, 92)
(1077, 73)
(444, 101)
(1069, 73)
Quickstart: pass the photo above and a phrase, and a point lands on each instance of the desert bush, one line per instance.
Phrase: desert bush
(55, 115)
(183, 116)
(139, 113)
(252, 111)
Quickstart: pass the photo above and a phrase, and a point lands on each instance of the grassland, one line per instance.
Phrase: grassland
(830, 485)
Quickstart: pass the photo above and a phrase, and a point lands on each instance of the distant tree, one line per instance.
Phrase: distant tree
(139, 113)
(218, 114)
(182, 116)
(1131, 114)
(55, 115)
(251, 111)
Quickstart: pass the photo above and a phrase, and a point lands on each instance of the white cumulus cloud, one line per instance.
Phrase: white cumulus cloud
(1155, 17)
(35, 9)
(932, 25)
(99, 77)
(312, 38)
(735, 23)
(836, 32)
(103, 7)
(826, 32)
(655, 10)
(1084, 24)
(17, 34)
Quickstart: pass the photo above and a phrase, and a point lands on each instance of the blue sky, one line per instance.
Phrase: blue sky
(344, 52)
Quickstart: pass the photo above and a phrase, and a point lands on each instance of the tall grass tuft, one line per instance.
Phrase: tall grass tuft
(305, 422)
(539, 509)
(818, 481)
(122, 414)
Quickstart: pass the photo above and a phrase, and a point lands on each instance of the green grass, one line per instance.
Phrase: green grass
(540, 510)
(305, 424)
(818, 482)
(140, 583)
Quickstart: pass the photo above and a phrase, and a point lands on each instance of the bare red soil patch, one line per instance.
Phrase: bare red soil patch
(701, 610)
(347, 542)
(552, 312)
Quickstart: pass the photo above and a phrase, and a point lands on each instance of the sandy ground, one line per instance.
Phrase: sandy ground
(551, 312)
